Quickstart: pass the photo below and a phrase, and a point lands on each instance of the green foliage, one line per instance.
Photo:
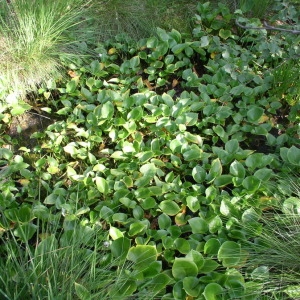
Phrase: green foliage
(173, 148)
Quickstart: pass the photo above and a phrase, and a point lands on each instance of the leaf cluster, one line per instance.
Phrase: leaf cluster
(172, 146)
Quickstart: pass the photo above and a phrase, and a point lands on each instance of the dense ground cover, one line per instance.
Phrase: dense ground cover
(167, 164)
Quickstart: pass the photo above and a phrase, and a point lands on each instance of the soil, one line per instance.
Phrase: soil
(23, 126)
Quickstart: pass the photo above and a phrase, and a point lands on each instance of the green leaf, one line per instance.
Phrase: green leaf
(153, 269)
(215, 224)
(263, 174)
(178, 291)
(183, 267)
(198, 225)
(142, 256)
(260, 273)
(232, 146)
(209, 266)
(216, 168)
(199, 174)
(71, 86)
(19, 109)
(41, 212)
(6, 153)
(204, 41)
(223, 180)
(251, 183)
(179, 48)
(291, 206)
(24, 214)
(255, 113)
(212, 246)
(148, 169)
(182, 245)
(148, 203)
(86, 94)
(193, 203)
(293, 291)
(169, 207)
(145, 156)
(12, 214)
(197, 258)
(95, 67)
(135, 114)
(293, 155)
(136, 228)
(212, 291)
(106, 213)
(191, 286)
(229, 254)
(115, 233)
(238, 90)
(193, 138)
(194, 153)
(25, 231)
(102, 185)
(107, 110)
(164, 221)
(123, 288)
(158, 283)
(224, 34)
(168, 100)
(134, 62)
(82, 292)
(237, 169)
(71, 149)
(120, 247)
(143, 181)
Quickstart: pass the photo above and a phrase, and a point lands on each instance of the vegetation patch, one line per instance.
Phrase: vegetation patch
(166, 165)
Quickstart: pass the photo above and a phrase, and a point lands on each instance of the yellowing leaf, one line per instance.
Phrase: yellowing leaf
(263, 119)
(213, 55)
(23, 182)
(112, 51)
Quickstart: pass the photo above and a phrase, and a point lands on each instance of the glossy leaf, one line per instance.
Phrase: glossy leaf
(169, 207)
(192, 286)
(229, 254)
(102, 185)
(142, 256)
(120, 247)
(198, 225)
(183, 267)
(212, 291)
(193, 203)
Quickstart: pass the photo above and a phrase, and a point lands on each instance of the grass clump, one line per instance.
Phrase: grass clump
(274, 254)
(59, 264)
(34, 36)
(139, 19)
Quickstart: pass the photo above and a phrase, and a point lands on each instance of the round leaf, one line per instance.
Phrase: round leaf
(183, 267)
(191, 286)
(198, 225)
(142, 256)
(212, 290)
(169, 207)
(229, 254)
(193, 203)
(212, 246)
(255, 113)
(102, 185)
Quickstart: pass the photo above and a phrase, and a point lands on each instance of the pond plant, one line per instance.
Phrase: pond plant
(164, 170)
